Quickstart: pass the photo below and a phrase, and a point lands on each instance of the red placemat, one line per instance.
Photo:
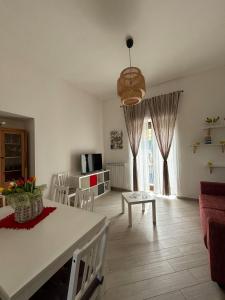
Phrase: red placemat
(9, 222)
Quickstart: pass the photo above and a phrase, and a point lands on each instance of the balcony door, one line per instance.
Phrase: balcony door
(150, 162)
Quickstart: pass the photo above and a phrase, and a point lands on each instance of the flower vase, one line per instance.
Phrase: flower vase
(27, 206)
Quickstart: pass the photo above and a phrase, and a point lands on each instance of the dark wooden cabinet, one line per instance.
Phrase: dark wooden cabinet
(13, 154)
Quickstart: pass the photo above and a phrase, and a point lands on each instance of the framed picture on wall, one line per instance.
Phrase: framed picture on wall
(116, 139)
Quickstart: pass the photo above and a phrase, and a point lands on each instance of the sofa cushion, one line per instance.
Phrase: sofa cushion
(213, 188)
(211, 201)
(207, 213)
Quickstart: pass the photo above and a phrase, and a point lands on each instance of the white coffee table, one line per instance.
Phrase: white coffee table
(138, 198)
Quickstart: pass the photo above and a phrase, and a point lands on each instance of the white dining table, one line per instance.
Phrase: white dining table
(28, 258)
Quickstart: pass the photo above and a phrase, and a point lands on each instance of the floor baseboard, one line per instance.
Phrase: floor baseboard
(119, 189)
(186, 198)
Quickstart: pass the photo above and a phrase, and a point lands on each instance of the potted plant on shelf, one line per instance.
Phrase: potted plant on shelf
(25, 198)
(212, 121)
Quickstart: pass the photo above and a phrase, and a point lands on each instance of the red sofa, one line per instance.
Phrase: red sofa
(212, 213)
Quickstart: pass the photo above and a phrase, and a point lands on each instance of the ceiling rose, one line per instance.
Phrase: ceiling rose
(131, 83)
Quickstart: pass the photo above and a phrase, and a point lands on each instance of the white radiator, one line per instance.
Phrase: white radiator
(118, 174)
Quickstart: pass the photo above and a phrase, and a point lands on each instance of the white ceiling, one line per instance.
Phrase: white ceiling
(83, 40)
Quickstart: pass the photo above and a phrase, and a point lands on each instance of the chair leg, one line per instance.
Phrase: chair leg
(154, 213)
(123, 205)
(96, 295)
(130, 215)
(100, 292)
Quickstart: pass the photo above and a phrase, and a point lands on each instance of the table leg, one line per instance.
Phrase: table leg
(154, 213)
(123, 206)
(143, 207)
(130, 215)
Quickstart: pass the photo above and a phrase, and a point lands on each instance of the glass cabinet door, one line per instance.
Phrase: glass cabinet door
(12, 159)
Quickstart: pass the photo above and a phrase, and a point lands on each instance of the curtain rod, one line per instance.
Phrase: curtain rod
(179, 91)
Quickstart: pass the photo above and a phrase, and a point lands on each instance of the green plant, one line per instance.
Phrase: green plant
(22, 192)
(212, 120)
(208, 120)
(24, 198)
(215, 119)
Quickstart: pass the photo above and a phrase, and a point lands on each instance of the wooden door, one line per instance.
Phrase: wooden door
(13, 155)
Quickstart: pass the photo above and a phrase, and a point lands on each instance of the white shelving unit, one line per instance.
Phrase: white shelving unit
(98, 182)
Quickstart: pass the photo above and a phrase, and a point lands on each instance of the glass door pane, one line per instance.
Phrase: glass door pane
(13, 156)
(150, 156)
(145, 159)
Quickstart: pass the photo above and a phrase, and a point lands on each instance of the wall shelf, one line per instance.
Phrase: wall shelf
(219, 144)
(213, 127)
(215, 166)
(195, 146)
(210, 127)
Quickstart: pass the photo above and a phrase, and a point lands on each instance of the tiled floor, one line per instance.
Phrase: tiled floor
(168, 262)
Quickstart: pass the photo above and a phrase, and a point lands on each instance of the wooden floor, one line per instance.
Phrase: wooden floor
(168, 261)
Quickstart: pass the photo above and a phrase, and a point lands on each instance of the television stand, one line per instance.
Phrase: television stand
(98, 182)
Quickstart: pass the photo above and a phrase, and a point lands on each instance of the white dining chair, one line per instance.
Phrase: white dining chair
(91, 257)
(64, 179)
(82, 276)
(84, 199)
(61, 194)
(2, 201)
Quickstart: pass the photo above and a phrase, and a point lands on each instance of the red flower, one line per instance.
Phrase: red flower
(31, 179)
(20, 182)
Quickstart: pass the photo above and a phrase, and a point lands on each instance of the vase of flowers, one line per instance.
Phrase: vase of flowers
(25, 198)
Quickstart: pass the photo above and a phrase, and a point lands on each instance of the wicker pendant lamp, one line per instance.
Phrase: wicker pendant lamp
(131, 84)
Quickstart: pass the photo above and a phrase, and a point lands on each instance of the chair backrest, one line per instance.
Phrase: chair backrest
(84, 199)
(92, 255)
(61, 194)
(2, 201)
(63, 179)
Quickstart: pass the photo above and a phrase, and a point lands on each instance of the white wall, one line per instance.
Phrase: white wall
(204, 95)
(67, 121)
(113, 118)
(30, 128)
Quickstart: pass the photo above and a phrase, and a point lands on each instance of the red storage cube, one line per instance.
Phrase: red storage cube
(93, 180)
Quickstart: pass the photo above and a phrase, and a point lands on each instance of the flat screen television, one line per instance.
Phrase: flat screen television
(91, 163)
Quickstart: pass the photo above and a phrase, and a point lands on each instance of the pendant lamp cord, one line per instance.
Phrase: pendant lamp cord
(130, 57)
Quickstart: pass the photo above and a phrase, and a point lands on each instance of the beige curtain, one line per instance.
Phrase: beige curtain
(163, 113)
(134, 118)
